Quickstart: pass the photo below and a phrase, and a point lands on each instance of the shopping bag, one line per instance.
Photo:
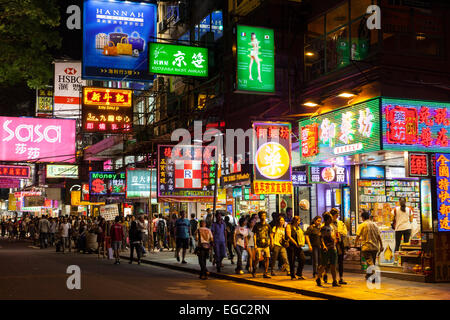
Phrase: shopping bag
(117, 35)
(110, 254)
(124, 48)
(136, 41)
(101, 40)
(109, 50)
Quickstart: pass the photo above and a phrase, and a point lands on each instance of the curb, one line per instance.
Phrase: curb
(309, 293)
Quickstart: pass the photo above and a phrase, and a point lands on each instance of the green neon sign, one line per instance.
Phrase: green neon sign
(255, 59)
(178, 60)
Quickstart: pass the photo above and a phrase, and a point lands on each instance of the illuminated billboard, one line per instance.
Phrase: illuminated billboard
(62, 171)
(107, 183)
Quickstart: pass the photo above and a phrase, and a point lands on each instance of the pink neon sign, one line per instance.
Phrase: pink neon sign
(37, 139)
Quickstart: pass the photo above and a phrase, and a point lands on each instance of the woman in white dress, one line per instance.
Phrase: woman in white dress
(254, 53)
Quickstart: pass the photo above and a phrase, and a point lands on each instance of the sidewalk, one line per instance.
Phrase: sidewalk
(356, 289)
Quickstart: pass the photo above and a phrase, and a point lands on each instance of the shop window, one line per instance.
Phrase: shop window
(363, 40)
(337, 54)
(185, 38)
(336, 18)
(217, 24)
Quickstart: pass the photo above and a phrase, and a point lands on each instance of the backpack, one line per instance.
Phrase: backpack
(161, 227)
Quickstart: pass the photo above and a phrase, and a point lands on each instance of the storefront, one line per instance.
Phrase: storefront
(386, 146)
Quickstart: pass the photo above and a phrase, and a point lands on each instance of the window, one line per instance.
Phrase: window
(337, 17)
(211, 23)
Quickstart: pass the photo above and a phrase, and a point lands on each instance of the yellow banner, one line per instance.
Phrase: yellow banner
(11, 202)
(75, 198)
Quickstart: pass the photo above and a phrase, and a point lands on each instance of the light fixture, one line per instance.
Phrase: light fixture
(310, 104)
(309, 54)
(346, 94)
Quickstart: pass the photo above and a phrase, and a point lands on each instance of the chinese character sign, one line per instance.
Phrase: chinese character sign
(15, 172)
(255, 59)
(186, 171)
(299, 178)
(37, 139)
(418, 165)
(347, 131)
(178, 60)
(44, 102)
(328, 175)
(116, 37)
(107, 110)
(443, 196)
(107, 183)
(410, 125)
(138, 183)
(67, 86)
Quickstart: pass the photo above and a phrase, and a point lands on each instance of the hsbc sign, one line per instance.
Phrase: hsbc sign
(68, 86)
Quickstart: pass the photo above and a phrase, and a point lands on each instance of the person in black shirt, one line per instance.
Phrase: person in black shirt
(263, 243)
(313, 236)
(329, 254)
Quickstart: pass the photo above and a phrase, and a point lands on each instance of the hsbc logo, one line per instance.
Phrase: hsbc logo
(70, 71)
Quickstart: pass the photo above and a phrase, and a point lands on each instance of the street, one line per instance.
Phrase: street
(27, 272)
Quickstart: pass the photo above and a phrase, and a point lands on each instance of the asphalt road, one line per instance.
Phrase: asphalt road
(28, 272)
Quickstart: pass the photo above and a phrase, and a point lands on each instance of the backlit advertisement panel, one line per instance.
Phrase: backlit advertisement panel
(37, 139)
(255, 59)
(67, 88)
(116, 35)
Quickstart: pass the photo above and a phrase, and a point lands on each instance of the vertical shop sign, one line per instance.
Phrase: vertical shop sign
(67, 86)
(44, 102)
(418, 165)
(272, 164)
(443, 197)
(310, 140)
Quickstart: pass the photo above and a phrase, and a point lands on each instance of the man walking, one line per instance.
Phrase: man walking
(162, 231)
(194, 226)
(44, 228)
(371, 243)
(220, 236)
(182, 235)
(64, 233)
(117, 235)
(341, 234)
(263, 242)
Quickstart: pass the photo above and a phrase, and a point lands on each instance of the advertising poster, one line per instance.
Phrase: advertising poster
(44, 102)
(138, 184)
(443, 197)
(413, 125)
(186, 173)
(272, 169)
(67, 87)
(107, 110)
(109, 212)
(425, 205)
(178, 60)
(116, 36)
(371, 172)
(106, 183)
(255, 59)
(388, 239)
(37, 139)
(62, 171)
(343, 132)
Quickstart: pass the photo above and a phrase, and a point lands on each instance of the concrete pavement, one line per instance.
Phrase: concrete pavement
(356, 289)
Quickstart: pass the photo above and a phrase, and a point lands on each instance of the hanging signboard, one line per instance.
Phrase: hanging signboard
(299, 178)
(109, 212)
(272, 162)
(37, 139)
(15, 172)
(178, 60)
(116, 36)
(327, 175)
(62, 171)
(186, 173)
(343, 132)
(138, 184)
(255, 50)
(107, 183)
(107, 110)
(44, 102)
(67, 86)
(418, 165)
(410, 125)
(443, 197)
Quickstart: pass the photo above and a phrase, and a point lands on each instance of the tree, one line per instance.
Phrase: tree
(27, 37)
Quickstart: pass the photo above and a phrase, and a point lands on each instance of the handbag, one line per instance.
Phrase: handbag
(110, 50)
(117, 35)
(124, 48)
(101, 40)
(136, 41)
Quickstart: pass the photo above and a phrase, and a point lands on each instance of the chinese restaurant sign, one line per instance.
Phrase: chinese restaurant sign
(272, 164)
(178, 60)
(186, 172)
(107, 110)
(107, 183)
(328, 175)
(255, 59)
(37, 139)
(344, 132)
(443, 197)
(15, 172)
(410, 125)
(62, 171)
(418, 165)
(138, 183)
(116, 37)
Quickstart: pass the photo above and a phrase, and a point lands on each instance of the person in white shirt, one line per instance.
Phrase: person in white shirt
(402, 223)
(240, 243)
(64, 233)
(204, 239)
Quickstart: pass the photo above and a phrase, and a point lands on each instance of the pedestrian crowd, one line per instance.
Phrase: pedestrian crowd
(282, 241)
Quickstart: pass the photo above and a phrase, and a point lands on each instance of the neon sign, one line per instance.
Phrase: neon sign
(411, 125)
(418, 165)
(16, 172)
(443, 184)
(107, 97)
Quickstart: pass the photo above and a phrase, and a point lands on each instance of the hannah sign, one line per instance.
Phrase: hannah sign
(40, 140)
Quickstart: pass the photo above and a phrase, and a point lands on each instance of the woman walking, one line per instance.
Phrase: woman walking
(313, 237)
(204, 239)
(251, 247)
(278, 236)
